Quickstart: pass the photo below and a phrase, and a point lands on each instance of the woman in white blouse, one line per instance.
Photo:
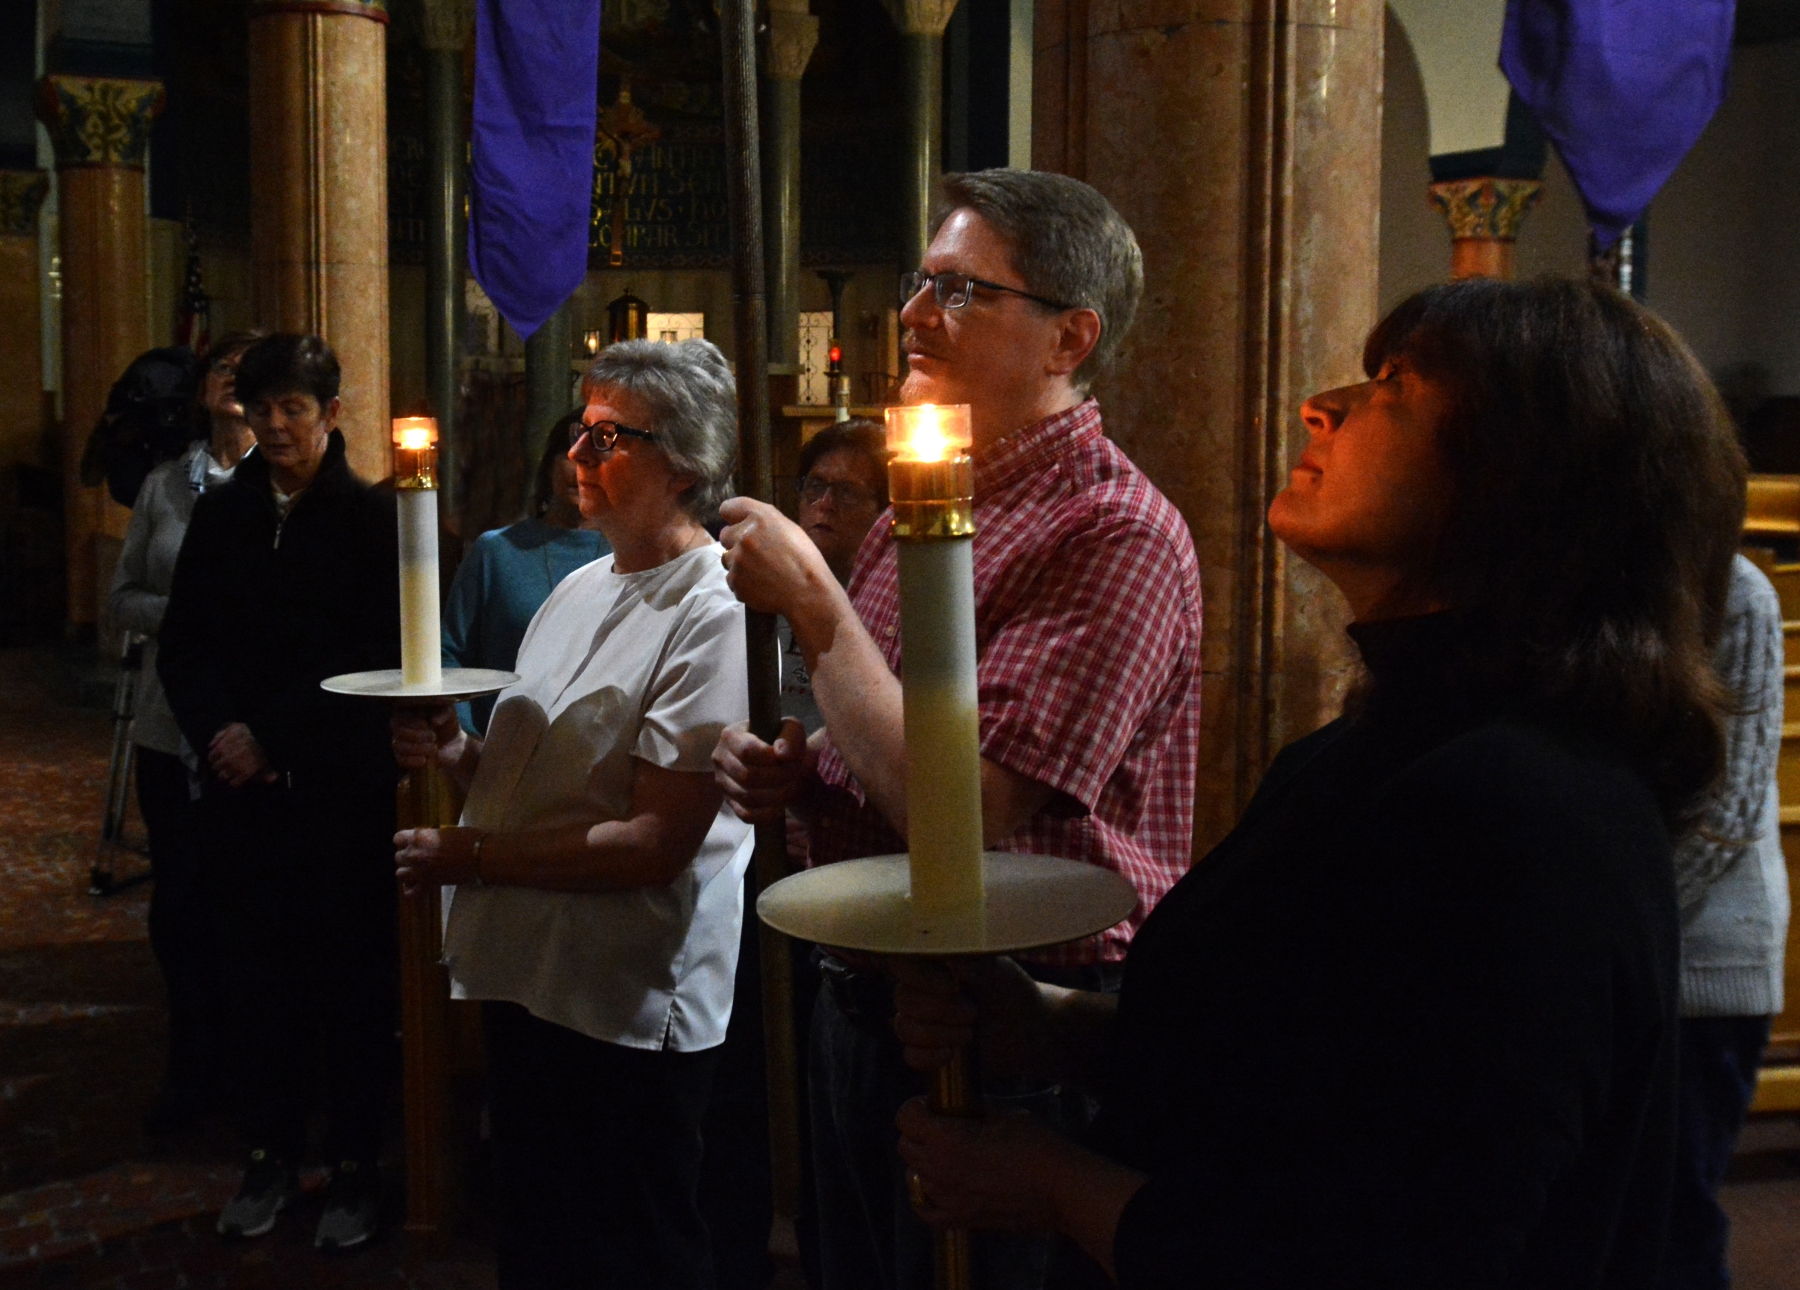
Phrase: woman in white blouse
(597, 877)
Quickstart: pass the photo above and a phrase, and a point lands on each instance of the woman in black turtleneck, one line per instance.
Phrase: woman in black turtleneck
(1413, 1022)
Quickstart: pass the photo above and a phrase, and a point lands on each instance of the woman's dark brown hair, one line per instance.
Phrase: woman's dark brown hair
(556, 447)
(1597, 499)
(288, 363)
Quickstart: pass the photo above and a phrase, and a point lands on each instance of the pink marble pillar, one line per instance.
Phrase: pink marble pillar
(1241, 139)
(318, 188)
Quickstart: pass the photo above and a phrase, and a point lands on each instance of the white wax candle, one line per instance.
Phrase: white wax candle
(421, 659)
(943, 729)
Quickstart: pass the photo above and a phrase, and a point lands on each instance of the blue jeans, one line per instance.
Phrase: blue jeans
(1719, 1057)
(869, 1237)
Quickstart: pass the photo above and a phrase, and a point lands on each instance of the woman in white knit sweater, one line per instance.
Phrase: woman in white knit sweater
(1732, 884)
(180, 930)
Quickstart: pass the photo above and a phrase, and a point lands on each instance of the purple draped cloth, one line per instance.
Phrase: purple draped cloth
(531, 179)
(1622, 87)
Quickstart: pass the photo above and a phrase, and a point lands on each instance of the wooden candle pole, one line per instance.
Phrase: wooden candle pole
(743, 165)
(424, 801)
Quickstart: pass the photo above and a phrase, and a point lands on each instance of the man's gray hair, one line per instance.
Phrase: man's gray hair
(1068, 244)
(693, 398)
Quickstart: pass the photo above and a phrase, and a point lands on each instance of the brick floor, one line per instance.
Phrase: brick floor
(81, 1053)
(40, 1223)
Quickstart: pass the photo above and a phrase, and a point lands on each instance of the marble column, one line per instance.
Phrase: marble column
(788, 45)
(318, 196)
(549, 382)
(1485, 216)
(1241, 139)
(100, 127)
(448, 25)
(21, 339)
(922, 24)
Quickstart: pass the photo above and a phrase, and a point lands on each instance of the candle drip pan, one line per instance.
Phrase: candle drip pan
(1029, 901)
(458, 683)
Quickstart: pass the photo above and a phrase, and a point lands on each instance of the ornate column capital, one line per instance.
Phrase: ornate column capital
(920, 17)
(448, 25)
(1492, 209)
(372, 9)
(788, 44)
(22, 192)
(98, 120)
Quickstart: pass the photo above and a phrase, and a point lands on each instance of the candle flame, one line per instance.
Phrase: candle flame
(415, 434)
(928, 442)
(927, 432)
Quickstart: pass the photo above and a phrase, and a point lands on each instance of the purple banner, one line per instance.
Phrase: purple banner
(537, 67)
(1623, 88)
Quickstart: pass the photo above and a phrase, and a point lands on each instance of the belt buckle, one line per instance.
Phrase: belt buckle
(842, 980)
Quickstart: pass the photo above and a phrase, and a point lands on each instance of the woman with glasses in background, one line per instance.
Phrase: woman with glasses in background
(843, 491)
(509, 573)
(598, 878)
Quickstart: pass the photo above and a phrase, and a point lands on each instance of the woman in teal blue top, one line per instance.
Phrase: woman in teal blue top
(508, 573)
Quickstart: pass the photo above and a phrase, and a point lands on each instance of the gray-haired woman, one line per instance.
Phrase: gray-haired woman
(597, 876)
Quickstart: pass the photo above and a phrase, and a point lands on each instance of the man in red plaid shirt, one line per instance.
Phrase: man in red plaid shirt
(1087, 621)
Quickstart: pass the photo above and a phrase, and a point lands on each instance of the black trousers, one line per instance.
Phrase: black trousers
(181, 927)
(869, 1237)
(303, 895)
(1719, 1057)
(596, 1151)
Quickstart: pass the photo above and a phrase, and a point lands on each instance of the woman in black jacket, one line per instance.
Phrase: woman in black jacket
(288, 575)
(1413, 1022)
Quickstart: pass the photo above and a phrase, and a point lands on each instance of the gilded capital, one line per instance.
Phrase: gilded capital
(1491, 209)
(448, 25)
(98, 121)
(920, 17)
(789, 43)
(21, 193)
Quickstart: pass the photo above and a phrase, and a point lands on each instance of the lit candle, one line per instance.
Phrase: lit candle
(932, 482)
(415, 481)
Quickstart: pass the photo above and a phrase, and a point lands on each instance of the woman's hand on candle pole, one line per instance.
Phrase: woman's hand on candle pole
(938, 1003)
(422, 732)
(1011, 1173)
(237, 759)
(762, 780)
(435, 858)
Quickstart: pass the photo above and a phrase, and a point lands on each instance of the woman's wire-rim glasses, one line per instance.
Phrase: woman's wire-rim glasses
(954, 290)
(606, 433)
(814, 490)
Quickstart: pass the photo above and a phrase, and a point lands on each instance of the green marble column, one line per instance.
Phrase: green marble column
(921, 24)
(447, 27)
(548, 381)
(788, 45)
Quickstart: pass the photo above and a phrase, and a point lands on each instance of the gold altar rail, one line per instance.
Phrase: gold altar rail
(1771, 523)
(1772, 506)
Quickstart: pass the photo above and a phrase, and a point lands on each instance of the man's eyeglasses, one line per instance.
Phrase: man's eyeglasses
(952, 290)
(606, 433)
(814, 490)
